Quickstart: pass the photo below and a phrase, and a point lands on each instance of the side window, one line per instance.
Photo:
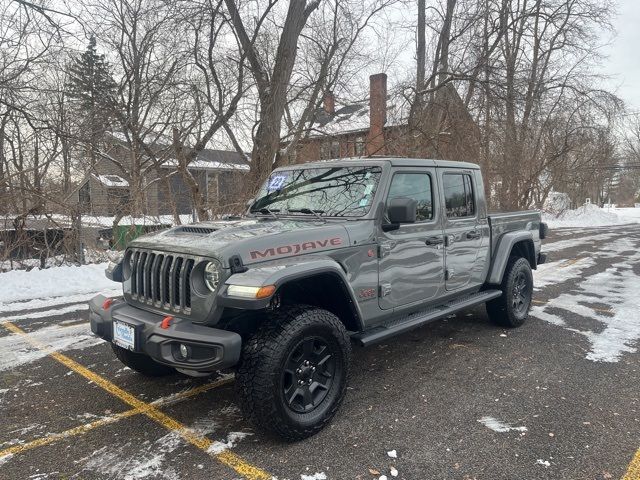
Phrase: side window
(416, 186)
(458, 195)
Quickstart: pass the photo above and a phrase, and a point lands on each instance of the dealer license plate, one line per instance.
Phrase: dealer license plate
(124, 335)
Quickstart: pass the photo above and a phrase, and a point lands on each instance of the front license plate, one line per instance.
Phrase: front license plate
(124, 335)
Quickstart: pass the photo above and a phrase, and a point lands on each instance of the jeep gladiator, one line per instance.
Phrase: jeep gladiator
(329, 253)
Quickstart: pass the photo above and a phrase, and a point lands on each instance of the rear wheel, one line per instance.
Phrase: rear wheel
(141, 363)
(511, 309)
(293, 372)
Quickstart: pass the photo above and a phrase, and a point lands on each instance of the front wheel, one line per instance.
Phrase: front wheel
(293, 372)
(511, 309)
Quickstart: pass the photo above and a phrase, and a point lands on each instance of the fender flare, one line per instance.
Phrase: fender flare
(283, 273)
(503, 251)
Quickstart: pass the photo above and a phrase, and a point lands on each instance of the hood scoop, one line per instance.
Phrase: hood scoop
(191, 229)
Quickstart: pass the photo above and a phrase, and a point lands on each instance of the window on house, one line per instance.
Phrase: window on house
(335, 149)
(84, 195)
(458, 195)
(325, 151)
(416, 186)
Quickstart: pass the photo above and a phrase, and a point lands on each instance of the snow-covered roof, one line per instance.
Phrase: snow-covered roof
(210, 159)
(111, 180)
(353, 117)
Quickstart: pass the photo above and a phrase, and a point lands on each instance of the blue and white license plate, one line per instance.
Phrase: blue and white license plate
(124, 335)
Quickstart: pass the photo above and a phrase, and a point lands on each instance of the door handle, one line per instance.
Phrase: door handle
(434, 241)
(473, 235)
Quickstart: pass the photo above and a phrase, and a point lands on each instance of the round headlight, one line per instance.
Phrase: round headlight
(212, 275)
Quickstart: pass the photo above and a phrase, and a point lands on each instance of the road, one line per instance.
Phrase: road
(457, 399)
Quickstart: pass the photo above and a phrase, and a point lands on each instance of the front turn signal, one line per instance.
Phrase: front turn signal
(244, 291)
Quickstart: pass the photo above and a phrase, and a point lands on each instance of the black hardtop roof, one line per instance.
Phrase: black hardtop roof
(379, 161)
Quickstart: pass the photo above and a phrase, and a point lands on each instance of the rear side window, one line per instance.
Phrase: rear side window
(416, 186)
(458, 195)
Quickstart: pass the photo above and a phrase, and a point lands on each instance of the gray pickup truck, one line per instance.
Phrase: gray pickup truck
(328, 254)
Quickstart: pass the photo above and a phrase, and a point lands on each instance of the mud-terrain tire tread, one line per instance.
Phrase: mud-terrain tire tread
(257, 376)
(499, 309)
(141, 363)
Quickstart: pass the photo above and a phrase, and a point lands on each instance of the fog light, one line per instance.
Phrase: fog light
(184, 351)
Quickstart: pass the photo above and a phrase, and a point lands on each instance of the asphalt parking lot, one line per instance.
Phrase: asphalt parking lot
(558, 398)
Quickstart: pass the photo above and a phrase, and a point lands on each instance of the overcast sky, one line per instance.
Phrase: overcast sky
(623, 63)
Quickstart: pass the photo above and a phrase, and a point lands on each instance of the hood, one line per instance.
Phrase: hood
(254, 240)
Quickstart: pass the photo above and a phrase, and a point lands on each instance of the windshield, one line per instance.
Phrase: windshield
(336, 192)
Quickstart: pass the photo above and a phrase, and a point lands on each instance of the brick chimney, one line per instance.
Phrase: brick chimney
(329, 102)
(377, 113)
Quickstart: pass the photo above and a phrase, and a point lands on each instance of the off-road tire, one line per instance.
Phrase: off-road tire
(141, 363)
(262, 371)
(507, 310)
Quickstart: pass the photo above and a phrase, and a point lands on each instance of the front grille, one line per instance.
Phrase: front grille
(161, 280)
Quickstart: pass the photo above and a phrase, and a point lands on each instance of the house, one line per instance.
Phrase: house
(105, 189)
(383, 124)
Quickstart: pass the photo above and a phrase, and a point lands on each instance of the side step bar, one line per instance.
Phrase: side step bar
(422, 317)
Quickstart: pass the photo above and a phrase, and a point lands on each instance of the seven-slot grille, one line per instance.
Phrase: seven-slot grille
(162, 280)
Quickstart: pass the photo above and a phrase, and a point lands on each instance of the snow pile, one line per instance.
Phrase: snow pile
(588, 215)
(18, 285)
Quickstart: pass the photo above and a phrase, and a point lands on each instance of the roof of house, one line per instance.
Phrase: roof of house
(353, 117)
(111, 180)
(209, 159)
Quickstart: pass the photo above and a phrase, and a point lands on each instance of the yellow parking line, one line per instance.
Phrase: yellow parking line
(203, 443)
(633, 472)
(81, 429)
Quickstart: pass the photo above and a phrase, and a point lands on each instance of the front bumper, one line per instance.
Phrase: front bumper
(209, 348)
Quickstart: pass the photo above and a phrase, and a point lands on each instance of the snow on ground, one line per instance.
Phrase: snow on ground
(315, 476)
(560, 271)
(36, 303)
(574, 242)
(131, 461)
(18, 350)
(498, 426)
(18, 285)
(590, 215)
(617, 289)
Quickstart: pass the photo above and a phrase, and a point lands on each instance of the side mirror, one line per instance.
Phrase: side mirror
(402, 210)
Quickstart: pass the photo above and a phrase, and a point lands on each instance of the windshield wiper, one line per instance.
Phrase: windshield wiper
(268, 211)
(308, 211)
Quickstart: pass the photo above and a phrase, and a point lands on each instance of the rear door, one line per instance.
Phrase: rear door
(465, 232)
(412, 257)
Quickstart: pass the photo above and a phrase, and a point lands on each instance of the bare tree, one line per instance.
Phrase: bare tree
(271, 84)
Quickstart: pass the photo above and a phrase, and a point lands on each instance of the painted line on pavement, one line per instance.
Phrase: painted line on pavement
(82, 429)
(226, 457)
(633, 471)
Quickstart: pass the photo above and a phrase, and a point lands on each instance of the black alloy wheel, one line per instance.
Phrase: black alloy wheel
(308, 374)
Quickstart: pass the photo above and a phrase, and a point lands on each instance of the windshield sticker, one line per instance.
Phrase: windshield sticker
(277, 182)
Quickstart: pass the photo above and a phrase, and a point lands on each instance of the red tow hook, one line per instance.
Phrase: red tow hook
(107, 303)
(166, 322)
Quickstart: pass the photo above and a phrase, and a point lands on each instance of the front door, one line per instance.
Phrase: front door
(466, 234)
(412, 257)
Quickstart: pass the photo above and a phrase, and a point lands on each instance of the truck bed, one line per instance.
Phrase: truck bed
(504, 222)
